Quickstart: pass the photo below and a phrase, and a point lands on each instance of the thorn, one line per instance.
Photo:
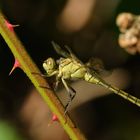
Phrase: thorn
(10, 26)
(16, 65)
(53, 119)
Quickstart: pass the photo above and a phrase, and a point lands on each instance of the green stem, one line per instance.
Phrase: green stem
(28, 67)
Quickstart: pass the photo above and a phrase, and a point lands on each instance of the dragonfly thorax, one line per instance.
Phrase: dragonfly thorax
(71, 69)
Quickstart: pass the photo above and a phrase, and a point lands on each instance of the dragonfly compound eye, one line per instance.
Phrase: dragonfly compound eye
(49, 64)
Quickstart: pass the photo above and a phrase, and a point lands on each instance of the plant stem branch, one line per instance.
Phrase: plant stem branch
(28, 66)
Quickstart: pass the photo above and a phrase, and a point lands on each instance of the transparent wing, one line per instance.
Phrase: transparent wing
(59, 50)
(97, 65)
(94, 64)
(73, 55)
(67, 53)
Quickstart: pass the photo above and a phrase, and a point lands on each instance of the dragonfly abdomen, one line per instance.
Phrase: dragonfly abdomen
(92, 78)
(121, 93)
(96, 80)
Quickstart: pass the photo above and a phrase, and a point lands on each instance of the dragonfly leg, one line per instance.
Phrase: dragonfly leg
(70, 99)
(71, 93)
(40, 74)
(56, 83)
(45, 87)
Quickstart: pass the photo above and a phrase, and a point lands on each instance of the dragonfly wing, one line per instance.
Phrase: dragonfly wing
(65, 54)
(97, 65)
(59, 50)
(94, 64)
(70, 54)
(73, 55)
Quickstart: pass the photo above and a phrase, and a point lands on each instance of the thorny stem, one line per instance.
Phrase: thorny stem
(28, 67)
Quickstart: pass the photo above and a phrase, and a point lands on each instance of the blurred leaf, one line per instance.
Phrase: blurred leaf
(8, 131)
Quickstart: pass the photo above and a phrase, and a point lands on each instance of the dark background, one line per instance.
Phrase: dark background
(106, 118)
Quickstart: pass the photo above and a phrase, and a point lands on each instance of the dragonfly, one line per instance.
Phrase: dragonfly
(69, 67)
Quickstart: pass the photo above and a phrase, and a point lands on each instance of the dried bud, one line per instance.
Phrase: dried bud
(126, 40)
(131, 50)
(124, 21)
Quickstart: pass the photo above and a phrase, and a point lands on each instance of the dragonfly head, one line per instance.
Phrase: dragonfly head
(49, 65)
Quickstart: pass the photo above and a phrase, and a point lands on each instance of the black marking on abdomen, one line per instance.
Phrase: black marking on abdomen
(76, 70)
